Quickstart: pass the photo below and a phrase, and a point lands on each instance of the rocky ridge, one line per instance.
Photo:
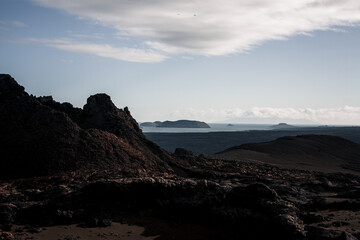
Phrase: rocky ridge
(40, 137)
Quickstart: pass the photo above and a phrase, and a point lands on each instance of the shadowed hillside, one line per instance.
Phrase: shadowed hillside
(313, 152)
(40, 136)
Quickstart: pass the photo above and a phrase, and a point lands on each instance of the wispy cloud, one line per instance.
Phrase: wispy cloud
(102, 50)
(12, 23)
(66, 60)
(211, 27)
(7, 24)
(341, 115)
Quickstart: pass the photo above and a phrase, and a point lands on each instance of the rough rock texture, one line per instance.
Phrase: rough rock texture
(182, 152)
(40, 136)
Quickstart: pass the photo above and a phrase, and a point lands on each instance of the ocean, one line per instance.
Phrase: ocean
(214, 127)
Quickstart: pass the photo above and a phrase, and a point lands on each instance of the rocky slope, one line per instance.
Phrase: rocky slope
(62, 165)
(312, 152)
(40, 137)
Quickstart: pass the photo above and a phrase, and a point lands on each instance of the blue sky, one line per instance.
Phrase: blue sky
(244, 61)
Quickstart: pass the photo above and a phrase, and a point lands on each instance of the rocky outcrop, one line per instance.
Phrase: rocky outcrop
(39, 136)
(239, 211)
(182, 152)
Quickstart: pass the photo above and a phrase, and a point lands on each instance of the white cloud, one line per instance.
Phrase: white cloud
(211, 27)
(102, 50)
(341, 115)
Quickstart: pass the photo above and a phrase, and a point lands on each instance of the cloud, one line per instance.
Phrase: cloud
(341, 115)
(5, 24)
(211, 27)
(66, 60)
(102, 50)
(13, 23)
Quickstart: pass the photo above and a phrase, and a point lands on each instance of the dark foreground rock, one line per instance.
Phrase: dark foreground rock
(42, 137)
(248, 201)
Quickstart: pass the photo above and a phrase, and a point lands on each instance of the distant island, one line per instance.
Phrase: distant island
(151, 124)
(176, 124)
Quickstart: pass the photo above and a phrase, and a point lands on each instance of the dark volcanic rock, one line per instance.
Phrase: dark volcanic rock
(6, 236)
(183, 152)
(7, 216)
(317, 233)
(39, 136)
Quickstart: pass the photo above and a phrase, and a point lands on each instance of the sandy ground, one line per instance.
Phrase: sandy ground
(135, 228)
(74, 232)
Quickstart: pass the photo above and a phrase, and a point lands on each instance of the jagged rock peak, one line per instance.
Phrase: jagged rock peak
(40, 136)
(100, 112)
(9, 87)
(100, 102)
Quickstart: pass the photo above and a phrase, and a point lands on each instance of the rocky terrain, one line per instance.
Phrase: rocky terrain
(309, 152)
(92, 170)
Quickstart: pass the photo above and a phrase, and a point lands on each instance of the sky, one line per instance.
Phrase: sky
(238, 61)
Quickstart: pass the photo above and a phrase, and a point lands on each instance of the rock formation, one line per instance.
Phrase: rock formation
(40, 136)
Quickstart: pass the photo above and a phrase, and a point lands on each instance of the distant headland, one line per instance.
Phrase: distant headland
(176, 124)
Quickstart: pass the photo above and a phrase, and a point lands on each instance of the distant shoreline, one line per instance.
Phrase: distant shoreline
(213, 142)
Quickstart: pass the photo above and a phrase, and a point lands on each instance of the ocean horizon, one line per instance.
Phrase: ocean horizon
(217, 127)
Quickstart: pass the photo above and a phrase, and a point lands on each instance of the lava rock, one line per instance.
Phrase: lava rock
(182, 152)
(7, 216)
(6, 236)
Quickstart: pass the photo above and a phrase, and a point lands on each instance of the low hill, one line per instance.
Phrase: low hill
(313, 152)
